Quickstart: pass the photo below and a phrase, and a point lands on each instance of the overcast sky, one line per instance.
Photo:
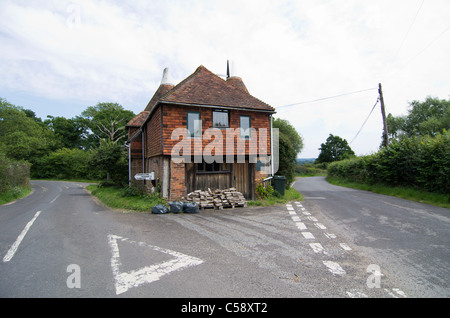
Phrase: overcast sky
(59, 57)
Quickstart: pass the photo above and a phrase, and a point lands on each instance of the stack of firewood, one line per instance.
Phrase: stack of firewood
(217, 199)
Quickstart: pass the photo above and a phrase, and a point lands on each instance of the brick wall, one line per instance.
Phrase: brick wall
(177, 180)
(153, 134)
(175, 116)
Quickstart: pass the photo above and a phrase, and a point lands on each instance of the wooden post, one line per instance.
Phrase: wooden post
(383, 113)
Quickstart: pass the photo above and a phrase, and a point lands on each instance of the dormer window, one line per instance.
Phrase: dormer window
(220, 118)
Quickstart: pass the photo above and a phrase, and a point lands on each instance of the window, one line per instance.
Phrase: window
(220, 118)
(194, 124)
(244, 125)
(204, 167)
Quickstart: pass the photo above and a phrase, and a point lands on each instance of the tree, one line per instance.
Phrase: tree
(290, 144)
(22, 137)
(111, 159)
(106, 120)
(71, 132)
(334, 149)
(429, 117)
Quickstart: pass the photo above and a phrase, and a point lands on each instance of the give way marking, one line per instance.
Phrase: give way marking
(148, 274)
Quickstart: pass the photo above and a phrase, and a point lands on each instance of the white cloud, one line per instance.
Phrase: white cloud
(286, 52)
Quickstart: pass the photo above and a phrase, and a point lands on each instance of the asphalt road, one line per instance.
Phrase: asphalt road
(59, 242)
(408, 240)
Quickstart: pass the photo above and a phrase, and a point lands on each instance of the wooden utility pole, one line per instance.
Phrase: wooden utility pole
(383, 113)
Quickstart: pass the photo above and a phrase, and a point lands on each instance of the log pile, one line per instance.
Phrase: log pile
(217, 199)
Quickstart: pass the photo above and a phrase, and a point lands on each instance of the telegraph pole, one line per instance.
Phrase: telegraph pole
(383, 113)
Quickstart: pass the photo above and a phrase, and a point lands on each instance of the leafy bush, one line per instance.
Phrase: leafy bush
(421, 162)
(13, 173)
(264, 190)
(64, 164)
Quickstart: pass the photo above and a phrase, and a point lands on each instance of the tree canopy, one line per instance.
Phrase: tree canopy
(290, 144)
(334, 149)
(429, 117)
(67, 148)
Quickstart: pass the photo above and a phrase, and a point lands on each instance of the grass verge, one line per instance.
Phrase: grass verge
(120, 198)
(289, 195)
(437, 199)
(14, 193)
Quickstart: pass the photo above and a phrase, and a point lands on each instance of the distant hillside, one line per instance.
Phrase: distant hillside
(302, 161)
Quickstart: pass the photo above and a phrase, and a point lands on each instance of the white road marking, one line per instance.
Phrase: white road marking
(398, 291)
(306, 213)
(311, 218)
(290, 208)
(9, 255)
(317, 247)
(334, 268)
(292, 213)
(320, 226)
(356, 294)
(301, 226)
(147, 274)
(308, 235)
(330, 235)
(345, 247)
(296, 218)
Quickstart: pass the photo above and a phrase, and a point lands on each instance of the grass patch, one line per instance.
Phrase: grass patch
(14, 193)
(437, 199)
(290, 195)
(125, 199)
(129, 199)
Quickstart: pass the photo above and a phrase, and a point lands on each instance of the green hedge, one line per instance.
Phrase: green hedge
(64, 164)
(420, 162)
(13, 173)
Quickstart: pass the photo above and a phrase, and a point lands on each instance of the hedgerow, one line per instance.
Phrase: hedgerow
(420, 162)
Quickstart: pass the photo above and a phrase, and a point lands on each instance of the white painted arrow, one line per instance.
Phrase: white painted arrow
(148, 274)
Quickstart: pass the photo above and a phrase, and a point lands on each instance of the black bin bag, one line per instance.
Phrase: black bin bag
(176, 206)
(190, 207)
(160, 209)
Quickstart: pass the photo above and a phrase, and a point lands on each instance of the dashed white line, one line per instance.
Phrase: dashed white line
(345, 247)
(301, 226)
(308, 235)
(330, 235)
(316, 247)
(306, 213)
(9, 255)
(334, 268)
(311, 218)
(296, 218)
(320, 226)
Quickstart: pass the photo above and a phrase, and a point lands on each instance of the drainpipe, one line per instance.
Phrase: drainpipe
(271, 145)
(129, 163)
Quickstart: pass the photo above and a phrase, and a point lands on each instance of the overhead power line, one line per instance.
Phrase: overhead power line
(409, 29)
(378, 99)
(325, 98)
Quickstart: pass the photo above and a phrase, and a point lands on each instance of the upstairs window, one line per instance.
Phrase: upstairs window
(245, 125)
(220, 118)
(194, 124)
